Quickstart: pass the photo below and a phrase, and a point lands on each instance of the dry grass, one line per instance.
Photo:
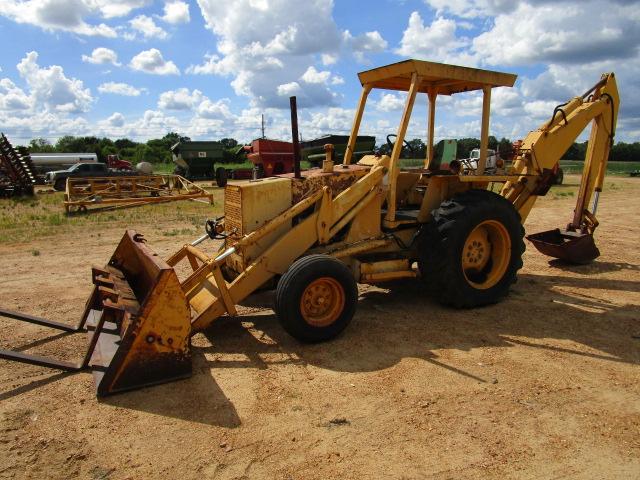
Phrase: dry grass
(25, 219)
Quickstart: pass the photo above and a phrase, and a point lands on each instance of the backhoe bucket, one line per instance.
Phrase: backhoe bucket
(150, 319)
(572, 247)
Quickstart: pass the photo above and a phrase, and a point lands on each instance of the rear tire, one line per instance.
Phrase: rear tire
(471, 251)
(316, 298)
(221, 176)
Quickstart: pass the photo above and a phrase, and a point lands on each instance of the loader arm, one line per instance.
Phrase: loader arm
(210, 295)
(543, 148)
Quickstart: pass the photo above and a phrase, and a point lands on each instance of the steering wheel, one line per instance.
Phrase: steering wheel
(213, 228)
(405, 143)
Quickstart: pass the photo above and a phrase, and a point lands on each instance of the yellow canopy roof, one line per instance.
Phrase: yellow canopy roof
(443, 78)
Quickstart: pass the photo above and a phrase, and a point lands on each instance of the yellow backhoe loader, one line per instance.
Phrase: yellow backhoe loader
(315, 235)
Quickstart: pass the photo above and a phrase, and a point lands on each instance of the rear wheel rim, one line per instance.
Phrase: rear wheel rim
(322, 302)
(486, 254)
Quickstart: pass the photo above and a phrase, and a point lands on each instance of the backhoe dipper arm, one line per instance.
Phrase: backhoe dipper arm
(543, 148)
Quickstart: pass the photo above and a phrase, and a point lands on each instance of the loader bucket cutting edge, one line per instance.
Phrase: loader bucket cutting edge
(138, 323)
(573, 247)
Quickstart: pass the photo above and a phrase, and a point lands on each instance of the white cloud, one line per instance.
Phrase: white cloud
(152, 61)
(468, 104)
(52, 89)
(289, 89)
(472, 8)
(328, 59)
(368, 42)
(102, 56)
(147, 27)
(573, 46)
(389, 102)
(68, 15)
(436, 42)
(311, 75)
(176, 12)
(266, 45)
(539, 109)
(211, 66)
(13, 98)
(214, 110)
(180, 99)
(332, 120)
(566, 32)
(506, 100)
(118, 88)
(116, 8)
(116, 120)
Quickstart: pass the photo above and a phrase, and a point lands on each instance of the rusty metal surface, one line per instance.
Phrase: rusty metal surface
(138, 323)
(47, 362)
(152, 317)
(295, 137)
(315, 179)
(572, 247)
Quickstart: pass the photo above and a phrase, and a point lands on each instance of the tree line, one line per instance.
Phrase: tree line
(153, 151)
(159, 150)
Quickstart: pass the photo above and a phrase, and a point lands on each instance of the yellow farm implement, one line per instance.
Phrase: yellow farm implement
(108, 193)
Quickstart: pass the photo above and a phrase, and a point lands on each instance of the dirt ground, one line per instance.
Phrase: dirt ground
(544, 385)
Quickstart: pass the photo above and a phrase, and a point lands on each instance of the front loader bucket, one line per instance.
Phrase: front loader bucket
(572, 247)
(149, 316)
(137, 319)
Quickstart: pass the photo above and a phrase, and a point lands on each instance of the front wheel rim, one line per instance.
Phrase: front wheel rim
(486, 254)
(322, 302)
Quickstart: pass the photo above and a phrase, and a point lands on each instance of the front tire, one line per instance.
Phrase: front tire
(60, 185)
(316, 298)
(472, 249)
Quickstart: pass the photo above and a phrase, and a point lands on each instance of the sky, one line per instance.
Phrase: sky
(209, 69)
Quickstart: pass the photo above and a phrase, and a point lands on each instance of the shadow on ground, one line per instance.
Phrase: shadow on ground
(403, 322)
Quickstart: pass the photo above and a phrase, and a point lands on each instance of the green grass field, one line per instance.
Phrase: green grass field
(569, 166)
(613, 168)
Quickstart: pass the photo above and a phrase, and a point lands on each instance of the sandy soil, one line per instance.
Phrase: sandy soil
(543, 385)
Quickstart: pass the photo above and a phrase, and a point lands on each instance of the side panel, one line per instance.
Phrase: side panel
(249, 205)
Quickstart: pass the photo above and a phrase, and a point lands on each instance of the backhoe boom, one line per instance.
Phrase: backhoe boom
(543, 148)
